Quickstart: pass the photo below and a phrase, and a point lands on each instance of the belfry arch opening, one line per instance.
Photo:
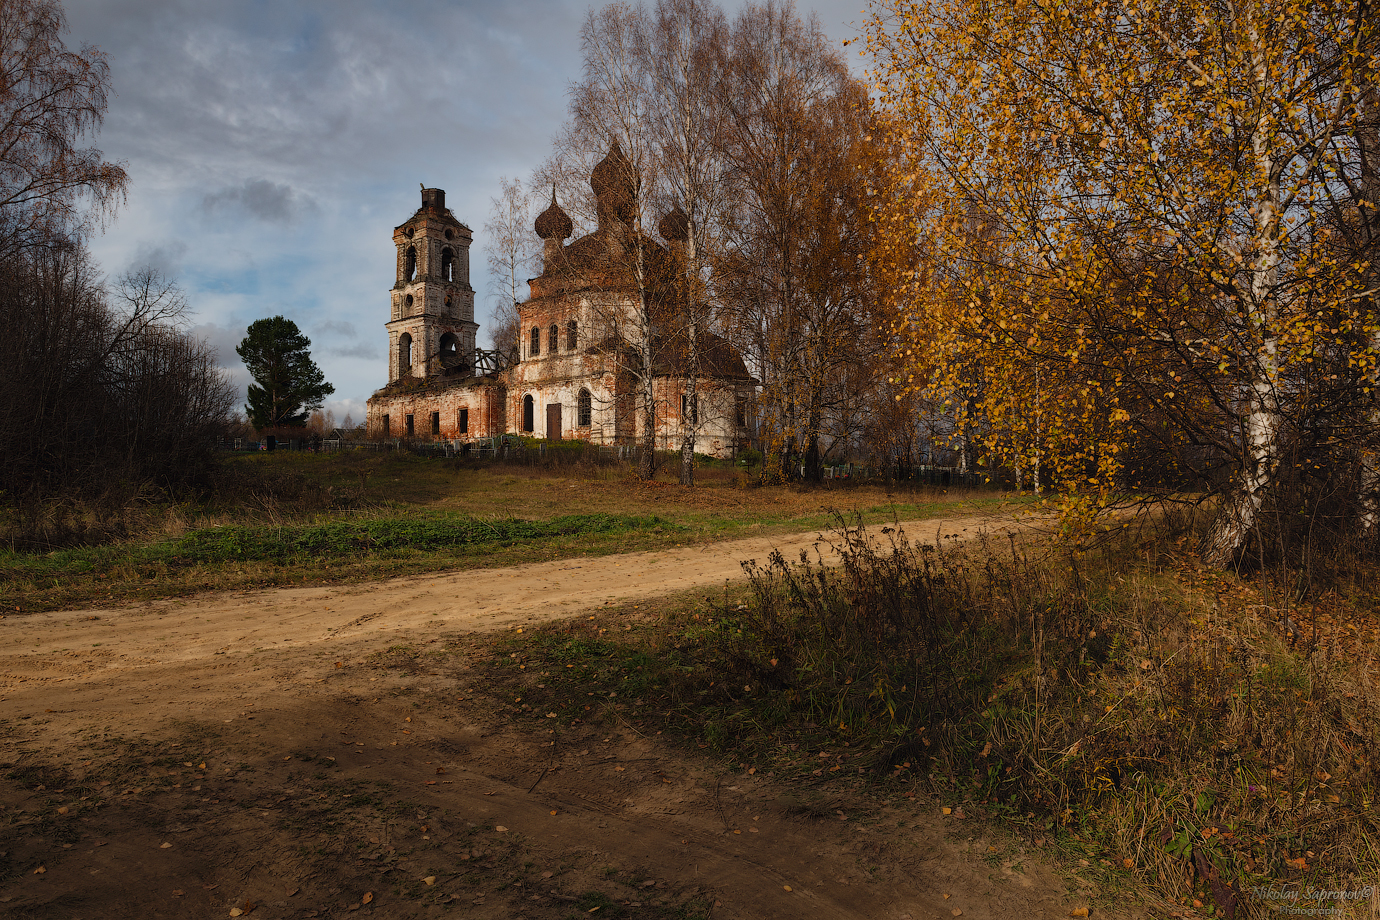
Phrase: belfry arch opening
(447, 264)
(450, 345)
(410, 269)
(404, 355)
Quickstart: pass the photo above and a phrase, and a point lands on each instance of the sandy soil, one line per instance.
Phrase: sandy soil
(281, 753)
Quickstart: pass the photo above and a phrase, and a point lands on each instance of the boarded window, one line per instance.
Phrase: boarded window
(536, 341)
(528, 411)
(583, 406)
(572, 335)
(410, 432)
(464, 421)
(435, 424)
(690, 408)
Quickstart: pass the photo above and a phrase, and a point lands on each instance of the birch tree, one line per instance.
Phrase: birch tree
(793, 240)
(682, 67)
(647, 86)
(1129, 200)
(512, 252)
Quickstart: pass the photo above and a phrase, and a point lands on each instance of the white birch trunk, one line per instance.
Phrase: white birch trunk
(1369, 134)
(1370, 486)
(1241, 507)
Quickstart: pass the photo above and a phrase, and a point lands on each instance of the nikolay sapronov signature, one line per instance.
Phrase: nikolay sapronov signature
(1311, 902)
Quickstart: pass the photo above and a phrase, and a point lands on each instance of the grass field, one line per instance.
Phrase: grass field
(299, 518)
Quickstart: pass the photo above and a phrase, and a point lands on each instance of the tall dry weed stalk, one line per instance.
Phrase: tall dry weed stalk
(1102, 695)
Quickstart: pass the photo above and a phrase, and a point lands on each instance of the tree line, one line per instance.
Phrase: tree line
(103, 392)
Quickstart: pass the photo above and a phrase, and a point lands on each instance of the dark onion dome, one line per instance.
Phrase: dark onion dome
(674, 226)
(554, 223)
(613, 177)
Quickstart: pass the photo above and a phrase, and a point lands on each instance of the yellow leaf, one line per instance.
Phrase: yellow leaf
(429, 880)
(368, 896)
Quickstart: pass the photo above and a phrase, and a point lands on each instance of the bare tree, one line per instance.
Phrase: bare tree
(683, 64)
(513, 252)
(791, 261)
(50, 98)
(610, 110)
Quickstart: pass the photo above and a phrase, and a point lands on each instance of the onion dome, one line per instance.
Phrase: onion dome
(674, 226)
(615, 183)
(554, 223)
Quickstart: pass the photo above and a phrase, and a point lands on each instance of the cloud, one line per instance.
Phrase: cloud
(267, 201)
(355, 408)
(224, 339)
(165, 258)
(338, 328)
(358, 350)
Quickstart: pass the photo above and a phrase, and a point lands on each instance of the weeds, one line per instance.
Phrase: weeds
(1138, 714)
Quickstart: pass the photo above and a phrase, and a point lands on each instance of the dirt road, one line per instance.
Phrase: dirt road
(191, 758)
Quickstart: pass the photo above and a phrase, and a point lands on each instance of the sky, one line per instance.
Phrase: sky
(273, 145)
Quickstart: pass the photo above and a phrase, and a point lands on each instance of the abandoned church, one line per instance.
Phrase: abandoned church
(602, 342)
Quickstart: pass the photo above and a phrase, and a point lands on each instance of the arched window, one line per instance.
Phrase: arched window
(404, 355)
(572, 335)
(553, 337)
(450, 345)
(583, 407)
(447, 264)
(528, 412)
(411, 270)
(536, 341)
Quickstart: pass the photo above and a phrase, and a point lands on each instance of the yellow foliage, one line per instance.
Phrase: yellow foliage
(1105, 222)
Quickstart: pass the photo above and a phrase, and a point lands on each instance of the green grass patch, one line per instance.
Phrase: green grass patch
(284, 518)
(271, 554)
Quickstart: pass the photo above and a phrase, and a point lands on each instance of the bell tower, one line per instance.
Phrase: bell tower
(431, 329)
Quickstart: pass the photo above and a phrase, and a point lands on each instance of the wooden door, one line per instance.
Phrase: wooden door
(553, 421)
